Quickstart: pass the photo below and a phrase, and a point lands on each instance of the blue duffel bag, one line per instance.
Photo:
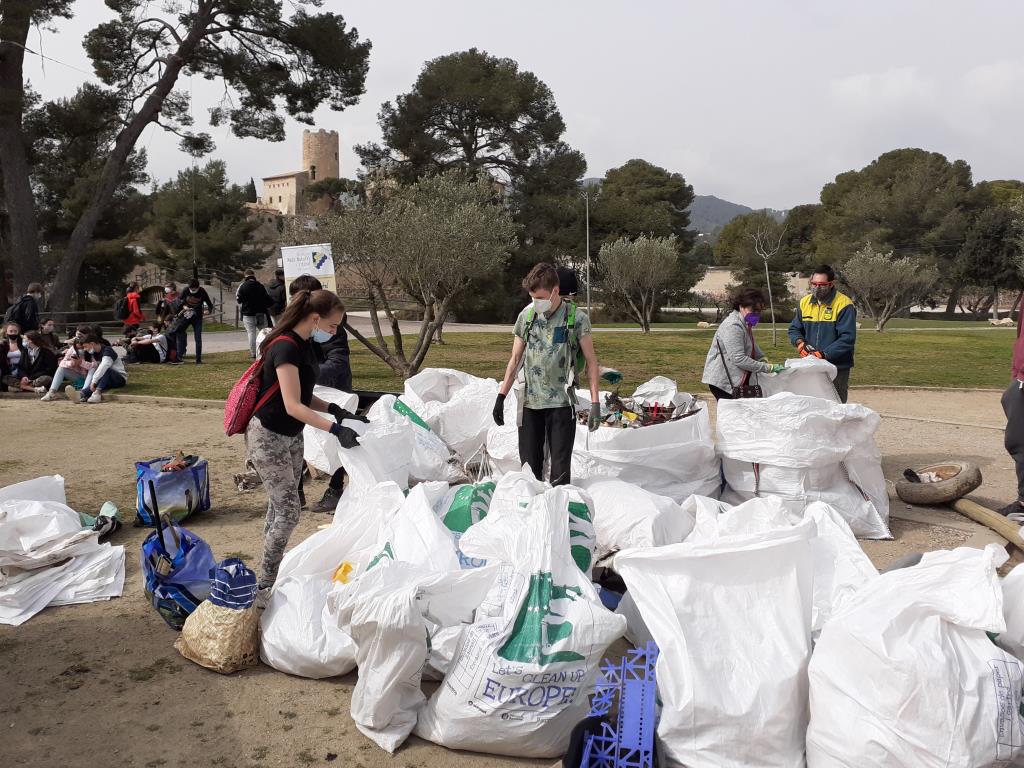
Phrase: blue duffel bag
(178, 493)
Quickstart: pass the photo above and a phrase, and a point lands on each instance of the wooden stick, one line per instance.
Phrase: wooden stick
(1008, 529)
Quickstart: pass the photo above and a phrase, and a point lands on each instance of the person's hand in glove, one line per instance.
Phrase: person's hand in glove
(595, 419)
(340, 414)
(347, 437)
(499, 411)
(778, 368)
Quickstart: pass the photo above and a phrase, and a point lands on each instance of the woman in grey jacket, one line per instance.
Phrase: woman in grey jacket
(733, 351)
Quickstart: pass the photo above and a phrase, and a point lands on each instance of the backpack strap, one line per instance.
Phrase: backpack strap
(277, 384)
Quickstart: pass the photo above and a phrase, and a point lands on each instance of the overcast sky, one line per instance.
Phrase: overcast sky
(760, 103)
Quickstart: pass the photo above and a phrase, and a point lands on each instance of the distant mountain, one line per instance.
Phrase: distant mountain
(708, 214)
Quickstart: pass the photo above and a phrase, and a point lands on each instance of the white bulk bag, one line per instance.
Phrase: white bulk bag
(431, 458)
(809, 376)
(456, 405)
(384, 453)
(521, 678)
(34, 534)
(48, 488)
(673, 459)
(806, 449)
(732, 618)
(627, 516)
(295, 636)
(314, 440)
(905, 675)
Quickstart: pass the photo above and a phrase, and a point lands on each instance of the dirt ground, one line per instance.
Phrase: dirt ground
(102, 684)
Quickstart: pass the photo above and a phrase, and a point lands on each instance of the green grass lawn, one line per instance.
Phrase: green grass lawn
(940, 359)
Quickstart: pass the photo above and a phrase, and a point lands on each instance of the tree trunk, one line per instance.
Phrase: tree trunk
(995, 303)
(81, 236)
(24, 239)
(954, 298)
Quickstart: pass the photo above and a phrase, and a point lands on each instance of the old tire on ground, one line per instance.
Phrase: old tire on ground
(958, 479)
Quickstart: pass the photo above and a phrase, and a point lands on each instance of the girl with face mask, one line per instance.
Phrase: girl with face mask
(13, 357)
(40, 365)
(108, 374)
(274, 437)
(733, 353)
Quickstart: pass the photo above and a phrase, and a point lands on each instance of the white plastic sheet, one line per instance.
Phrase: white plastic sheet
(809, 376)
(731, 613)
(674, 459)
(523, 672)
(627, 516)
(806, 449)
(905, 676)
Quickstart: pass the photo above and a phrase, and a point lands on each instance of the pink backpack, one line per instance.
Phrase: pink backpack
(244, 399)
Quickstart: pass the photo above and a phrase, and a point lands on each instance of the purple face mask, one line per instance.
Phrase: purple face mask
(753, 318)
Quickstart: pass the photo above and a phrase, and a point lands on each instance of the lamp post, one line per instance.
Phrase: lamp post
(586, 195)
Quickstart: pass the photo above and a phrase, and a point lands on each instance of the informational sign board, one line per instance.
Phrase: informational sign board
(315, 260)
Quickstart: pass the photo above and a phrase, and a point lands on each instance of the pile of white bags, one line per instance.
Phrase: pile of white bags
(674, 459)
(730, 610)
(46, 557)
(524, 670)
(431, 459)
(295, 637)
(905, 674)
(805, 449)
(810, 376)
(456, 405)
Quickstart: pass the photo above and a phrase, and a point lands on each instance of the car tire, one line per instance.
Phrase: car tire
(958, 479)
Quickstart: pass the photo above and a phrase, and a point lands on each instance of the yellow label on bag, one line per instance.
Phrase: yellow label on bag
(342, 572)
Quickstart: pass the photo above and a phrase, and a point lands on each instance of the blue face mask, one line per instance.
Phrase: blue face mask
(753, 318)
(320, 337)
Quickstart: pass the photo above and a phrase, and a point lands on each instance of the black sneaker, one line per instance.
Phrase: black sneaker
(199, 362)
(1011, 509)
(329, 502)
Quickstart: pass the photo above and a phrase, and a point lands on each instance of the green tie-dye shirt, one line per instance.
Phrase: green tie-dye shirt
(547, 361)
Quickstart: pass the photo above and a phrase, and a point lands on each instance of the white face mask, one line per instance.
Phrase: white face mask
(542, 306)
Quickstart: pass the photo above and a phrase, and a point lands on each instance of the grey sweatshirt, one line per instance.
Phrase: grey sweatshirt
(741, 354)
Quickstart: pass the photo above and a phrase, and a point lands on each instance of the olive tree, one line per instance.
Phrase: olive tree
(429, 242)
(640, 273)
(882, 286)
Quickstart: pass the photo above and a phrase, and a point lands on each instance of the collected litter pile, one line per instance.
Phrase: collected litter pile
(48, 556)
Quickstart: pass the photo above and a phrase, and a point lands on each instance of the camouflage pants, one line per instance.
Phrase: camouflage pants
(277, 459)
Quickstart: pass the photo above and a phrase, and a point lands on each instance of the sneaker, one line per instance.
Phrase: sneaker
(73, 394)
(329, 502)
(49, 397)
(95, 397)
(39, 390)
(1011, 510)
(199, 362)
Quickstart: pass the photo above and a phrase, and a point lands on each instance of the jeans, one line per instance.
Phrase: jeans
(720, 394)
(65, 374)
(253, 325)
(181, 340)
(554, 427)
(109, 380)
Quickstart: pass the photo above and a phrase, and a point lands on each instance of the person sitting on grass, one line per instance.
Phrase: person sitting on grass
(108, 374)
(73, 367)
(41, 365)
(13, 357)
(152, 347)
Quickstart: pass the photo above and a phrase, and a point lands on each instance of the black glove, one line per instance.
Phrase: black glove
(499, 411)
(347, 437)
(340, 414)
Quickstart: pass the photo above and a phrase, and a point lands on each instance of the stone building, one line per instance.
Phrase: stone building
(285, 192)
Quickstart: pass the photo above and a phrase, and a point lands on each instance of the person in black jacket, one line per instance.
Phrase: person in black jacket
(336, 372)
(25, 312)
(253, 304)
(278, 299)
(41, 365)
(13, 357)
(192, 305)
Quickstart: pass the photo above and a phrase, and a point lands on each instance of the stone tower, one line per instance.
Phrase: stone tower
(320, 154)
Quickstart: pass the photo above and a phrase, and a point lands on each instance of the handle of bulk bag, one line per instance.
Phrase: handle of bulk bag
(174, 533)
(156, 515)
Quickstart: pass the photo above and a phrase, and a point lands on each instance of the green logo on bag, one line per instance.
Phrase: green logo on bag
(580, 525)
(537, 627)
(410, 414)
(387, 553)
(469, 506)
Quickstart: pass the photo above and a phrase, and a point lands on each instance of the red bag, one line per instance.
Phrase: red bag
(244, 399)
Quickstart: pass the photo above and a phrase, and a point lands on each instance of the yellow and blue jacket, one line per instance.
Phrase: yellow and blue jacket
(829, 326)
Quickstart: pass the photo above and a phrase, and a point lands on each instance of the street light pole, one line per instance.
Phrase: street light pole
(585, 194)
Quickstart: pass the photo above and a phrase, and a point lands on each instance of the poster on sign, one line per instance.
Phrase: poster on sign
(315, 260)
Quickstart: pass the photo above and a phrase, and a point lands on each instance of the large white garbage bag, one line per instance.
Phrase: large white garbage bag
(431, 458)
(809, 376)
(49, 488)
(1012, 640)
(456, 405)
(731, 614)
(314, 440)
(523, 672)
(295, 636)
(34, 534)
(806, 449)
(384, 609)
(906, 676)
(384, 453)
(627, 516)
(675, 459)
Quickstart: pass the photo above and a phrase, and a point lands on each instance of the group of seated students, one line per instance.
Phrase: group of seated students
(33, 362)
(156, 346)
